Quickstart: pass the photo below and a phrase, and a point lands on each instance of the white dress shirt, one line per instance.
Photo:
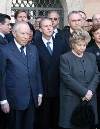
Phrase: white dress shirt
(55, 31)
(45, 42)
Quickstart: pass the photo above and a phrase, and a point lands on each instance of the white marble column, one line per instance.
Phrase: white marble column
(5, 6)
(71, 5)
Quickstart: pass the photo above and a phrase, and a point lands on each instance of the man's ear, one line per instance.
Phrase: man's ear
(40, 29)
(93, 37)
(0, 26)
(14, 33)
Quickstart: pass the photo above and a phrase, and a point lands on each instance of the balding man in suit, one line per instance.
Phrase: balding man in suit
(21, 87)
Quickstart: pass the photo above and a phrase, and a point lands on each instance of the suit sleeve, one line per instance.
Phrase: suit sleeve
(68, 80)
(39, 74)
(94, 82)
(3, 64)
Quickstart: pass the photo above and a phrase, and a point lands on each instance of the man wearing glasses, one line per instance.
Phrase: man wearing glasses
(54, 16)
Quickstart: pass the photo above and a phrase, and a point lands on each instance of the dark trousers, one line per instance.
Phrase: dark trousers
(98, 107)
(48, 113)
(75, 128)
(22, 119)
(3, 120)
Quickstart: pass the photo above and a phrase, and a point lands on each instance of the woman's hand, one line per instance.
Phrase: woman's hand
(88, 95)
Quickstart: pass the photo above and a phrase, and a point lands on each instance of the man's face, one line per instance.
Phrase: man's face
(90, 25)
(37, 23)
(5, 28)
(75, 21)
(22, 17)
(83, 18)
(86, 26)
(54, 18)
(22, 34)
(96, 19)
(47, 28)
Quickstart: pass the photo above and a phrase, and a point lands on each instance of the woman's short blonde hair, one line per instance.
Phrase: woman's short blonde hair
(79, 35)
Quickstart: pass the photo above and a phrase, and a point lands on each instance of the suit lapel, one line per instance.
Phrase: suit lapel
(29, 55)
(17, 53)
(56, 47)
(43, 49)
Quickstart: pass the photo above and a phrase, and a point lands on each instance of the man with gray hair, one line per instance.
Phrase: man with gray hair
(21, 86)
(74, 22)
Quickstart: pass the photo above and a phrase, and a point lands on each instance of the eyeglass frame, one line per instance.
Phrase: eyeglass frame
(55, 19)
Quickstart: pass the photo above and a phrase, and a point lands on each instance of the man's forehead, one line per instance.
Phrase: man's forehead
(22, 13)
(75, 16)
(96, 15)
(53, 14)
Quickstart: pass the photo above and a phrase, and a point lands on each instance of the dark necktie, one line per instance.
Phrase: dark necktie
(49, 48)
(5, 39)
(22, 51)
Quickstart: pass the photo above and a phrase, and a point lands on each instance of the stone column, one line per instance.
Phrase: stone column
(71, 5)
(5, 6)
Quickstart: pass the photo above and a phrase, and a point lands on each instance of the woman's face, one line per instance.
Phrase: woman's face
(79, 47)
(30, 36)
(96, 36)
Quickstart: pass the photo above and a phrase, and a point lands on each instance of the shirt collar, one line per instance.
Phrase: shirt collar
(45, 41)
(2, 35)
(17, 44)
(71, 30)
(55, 30)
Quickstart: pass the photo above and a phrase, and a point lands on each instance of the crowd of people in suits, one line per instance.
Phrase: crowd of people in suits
(45, 72)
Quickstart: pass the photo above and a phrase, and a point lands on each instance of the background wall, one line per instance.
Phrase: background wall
(91, 7)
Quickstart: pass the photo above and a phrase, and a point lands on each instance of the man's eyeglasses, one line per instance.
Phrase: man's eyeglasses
(55, 19)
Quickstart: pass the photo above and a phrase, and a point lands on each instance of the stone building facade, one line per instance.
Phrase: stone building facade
(90, 7)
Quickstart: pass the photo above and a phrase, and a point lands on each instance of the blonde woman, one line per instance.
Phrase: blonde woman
(79, 79)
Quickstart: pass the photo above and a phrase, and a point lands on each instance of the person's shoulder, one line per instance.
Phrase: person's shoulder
(90, 49)
(90, 55)
(38, 42)
(66, 55)
(59, 30)
(5, 48)
(32, 46)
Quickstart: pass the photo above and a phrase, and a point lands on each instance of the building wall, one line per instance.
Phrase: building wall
(91, 7)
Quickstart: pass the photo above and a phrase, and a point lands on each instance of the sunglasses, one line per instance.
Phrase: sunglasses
(55, 19)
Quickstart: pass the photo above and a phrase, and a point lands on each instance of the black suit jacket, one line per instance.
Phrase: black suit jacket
(59, 34)
(65, 36)
(9, 37)
(3, 41)
(20, 76)
(49, 65)
(95, 50)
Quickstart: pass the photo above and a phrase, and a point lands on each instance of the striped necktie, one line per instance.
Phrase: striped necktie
(22, 51)
(49, 48)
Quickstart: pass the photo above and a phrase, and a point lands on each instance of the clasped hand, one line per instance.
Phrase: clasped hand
(88, 95)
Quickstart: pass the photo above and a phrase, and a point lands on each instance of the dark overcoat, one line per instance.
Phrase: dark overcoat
(78, 75)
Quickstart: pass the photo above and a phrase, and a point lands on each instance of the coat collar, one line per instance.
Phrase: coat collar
(56, 46)
(18, 54)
